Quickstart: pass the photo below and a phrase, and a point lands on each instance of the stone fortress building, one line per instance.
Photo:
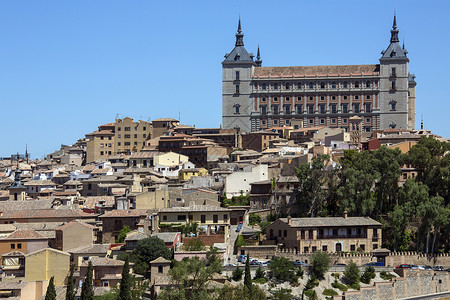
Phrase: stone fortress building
(256, 98)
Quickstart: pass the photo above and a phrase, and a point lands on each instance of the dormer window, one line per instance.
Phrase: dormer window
(393, 53)
(237, 57)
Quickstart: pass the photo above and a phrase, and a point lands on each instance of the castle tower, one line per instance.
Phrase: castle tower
(17, 189)
(355, 129)
(396, 107)
(237, 72)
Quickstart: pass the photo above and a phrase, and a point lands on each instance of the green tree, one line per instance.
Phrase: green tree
(260, 273)
(240, 292)
(254, 219)
(149, 249)
(191, 276)
(70, 291)
(87, 290)
(247, 275)
(123, 234)
(125, 283)
(237, 273)
(351, 273)
(282, 269)
(368, 275)
(312, 178)
(194, 244)
(51, 291)
(320, 262)
(281, 294)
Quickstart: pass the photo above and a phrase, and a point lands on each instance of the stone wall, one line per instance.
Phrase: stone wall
(411, 283)
(259, 251)
(392, 260)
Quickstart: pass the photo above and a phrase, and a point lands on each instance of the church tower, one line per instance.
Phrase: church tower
(237, 73)
(17, 191)
(396, 106)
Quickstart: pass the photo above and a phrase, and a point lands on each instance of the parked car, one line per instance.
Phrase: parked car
(374, 264)
(340, 264)
(264, 263)
(254, 262)
(428, 268)
(242, 258)
(230, 265)
(299, 263)
(239, 226)
(403, 266)
(438, 268)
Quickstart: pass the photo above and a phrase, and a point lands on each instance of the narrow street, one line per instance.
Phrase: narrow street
(230, 257)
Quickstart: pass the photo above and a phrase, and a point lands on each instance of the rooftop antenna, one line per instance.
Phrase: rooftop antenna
(26, 152)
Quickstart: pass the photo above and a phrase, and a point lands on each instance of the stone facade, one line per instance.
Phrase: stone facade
(255, 97)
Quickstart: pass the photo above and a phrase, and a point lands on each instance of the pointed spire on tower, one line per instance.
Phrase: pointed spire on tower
(258, 60)
(239, 35)
(394, 31)
(26, 152)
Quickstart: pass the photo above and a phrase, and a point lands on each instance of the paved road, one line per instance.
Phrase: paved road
(445, 295)
(230, 257)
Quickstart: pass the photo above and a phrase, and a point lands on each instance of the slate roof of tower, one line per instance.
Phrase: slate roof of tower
(316, 70)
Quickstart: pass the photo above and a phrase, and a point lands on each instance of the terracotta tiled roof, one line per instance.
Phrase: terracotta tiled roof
(103, 261)
(100, 171)
(26, 234)
(25, 205)
(316, 70)
(71, 223)
(92, 201)
(90, 167)
(165, 120)
(160, 260)
(45, 213)
(39, 183)
(91, 249)
(124, 213)
(331, 221)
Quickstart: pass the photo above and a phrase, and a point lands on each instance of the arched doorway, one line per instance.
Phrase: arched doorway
(338, 247)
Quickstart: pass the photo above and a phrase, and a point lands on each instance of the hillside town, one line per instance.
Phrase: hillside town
(319, 189)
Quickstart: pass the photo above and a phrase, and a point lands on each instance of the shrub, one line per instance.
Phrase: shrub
(253, 219)
(369, 274)
(352, 272)
(386, 276)
(194, 244)
(240, 241)
(354, 286)
(311, 283)
(260, 273)
(283, 269)
(260, 280)
(340, 286)
(237, 274)
(311, 294)
(300, 272)
(329, 292)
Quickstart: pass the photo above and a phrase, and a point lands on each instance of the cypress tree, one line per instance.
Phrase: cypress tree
(125, 282)
(87, 291)
(70, 292)
(247, 275)
(51, 291)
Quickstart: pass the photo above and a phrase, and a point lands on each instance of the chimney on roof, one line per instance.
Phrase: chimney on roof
(289, 219)
(345, 214)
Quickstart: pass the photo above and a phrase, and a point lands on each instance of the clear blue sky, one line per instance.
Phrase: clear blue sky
(68, 66)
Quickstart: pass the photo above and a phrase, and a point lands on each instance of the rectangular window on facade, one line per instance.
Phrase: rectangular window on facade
(305, 250)
(367, 120)
(203, 219)
(333, 121)
(275, 122)
(345, 108)
(225, 217)
(333, 98)
(356, 108)
(302, 235)
(363, 247)
(275, 109)
(263, 99)
(344, 121)
(299, 98)
(135, 136)
(367, 107)
(345, 85)
(310, 108)
(127, 128)
(356, 97)
(263, 122)
(367, 97)
(127, 136)
(322, 98)
(322, 108)
(13, 246)
(19, 246)
(287, 109)
(127, 143)
(311, 121)
(237, 75)
(367, 129)
(313, 249)
(237, 89)
(288, 99)
(324, 248)
(101, 152)
(215, 218)
(344, 97)
(299, 109)
(352, 247)
(333, 108)
(375, 246)
(393, 72)
(285, 233)
(393, 85)
(311, 98)
(322, 121)
(275, 99)
(264, 109)
(181, 217)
